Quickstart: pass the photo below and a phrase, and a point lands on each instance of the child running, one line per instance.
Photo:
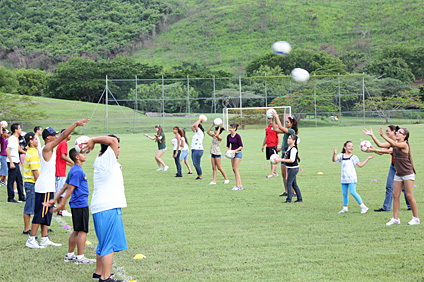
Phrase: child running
(160, 139)
(349, 178)
(216, 153)
(234, 142)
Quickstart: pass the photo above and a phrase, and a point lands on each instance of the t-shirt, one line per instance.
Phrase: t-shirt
(348, 168)
(185, 147)
(234, 141)
(62, 148)
(3, 144)
(108, 182)
(197, 140)
(271, 137)
(46, 182)
(76, 177)
(175, 144)
(32, 162)
(161, 143)
(285, 145)
(13, 144)
(22, 144)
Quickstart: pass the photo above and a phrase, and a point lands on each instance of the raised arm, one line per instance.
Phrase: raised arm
(376, 141)
(195, 126)
(335, 158)
(107, 140)
(359, 164)
(148, 136)
(209, 131)
(276, 121)
(401, 145)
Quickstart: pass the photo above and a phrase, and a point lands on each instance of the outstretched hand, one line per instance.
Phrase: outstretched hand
(368, 132)
(87, 146)
(335, 150)
(381, 131)
(82, 122)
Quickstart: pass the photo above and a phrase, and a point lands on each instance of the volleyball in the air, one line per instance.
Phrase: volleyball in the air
(365, 145)
(203, 118)
(281, 48)
(80, 143)
(229, 154)
(300, 75)
(3, 124)
(270, 113)
(273, 158)
(217, 121)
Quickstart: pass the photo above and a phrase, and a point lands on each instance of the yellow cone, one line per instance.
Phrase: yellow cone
(139, 256)
(133, 280)
(87, 242)
(320, 172)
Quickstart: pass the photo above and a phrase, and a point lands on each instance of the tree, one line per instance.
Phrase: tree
(8, 82)
(413, 56)
(31, 81)
(393, 67)
(18, 107)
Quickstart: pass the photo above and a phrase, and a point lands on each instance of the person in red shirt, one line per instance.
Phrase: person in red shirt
(272, 142)
(62, 160)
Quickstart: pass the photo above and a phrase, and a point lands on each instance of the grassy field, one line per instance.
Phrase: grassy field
(190, 231)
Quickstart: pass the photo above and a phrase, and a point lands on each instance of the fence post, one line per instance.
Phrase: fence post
(214, 97)
(106, 102)
(315, 100)
(241, 103)
(188, 99)
(266, 94)
(163, 103)
(135, 106)
(363, 93)
(340, 106)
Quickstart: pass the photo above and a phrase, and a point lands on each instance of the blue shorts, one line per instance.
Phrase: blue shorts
(110, 232)
(30, 197)
(184, 155)
(3, 163)
(60, 181)
(42, 215)
(215, 156)
(238, 155)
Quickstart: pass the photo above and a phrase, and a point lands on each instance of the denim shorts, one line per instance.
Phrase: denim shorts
(30, 197)
(184, 155)
(215, 156)
(162, 150)
(60, 181)
(3, 163)
(238, 155)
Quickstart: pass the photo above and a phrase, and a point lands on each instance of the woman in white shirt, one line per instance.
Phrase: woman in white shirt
(197, 147)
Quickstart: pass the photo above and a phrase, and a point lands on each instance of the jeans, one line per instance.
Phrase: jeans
(12, 176)
(30, 197)
(292, 184)
(177, 162)
(196, 156)
(346, 187)
(387, 205)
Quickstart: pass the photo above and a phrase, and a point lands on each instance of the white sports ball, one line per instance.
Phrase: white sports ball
(3, 123)
(79, 143)
(365, 145)
(300, 75)
(270, 113)
(217, 121)
(229, 154)
(273, 158)
(281, 48)
(203, 118)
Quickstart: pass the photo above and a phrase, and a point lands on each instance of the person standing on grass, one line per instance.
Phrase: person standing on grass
(176, 143)
(38, 131)
(197, 147)
(45, 186)
(236, 145)
(31, 172)
(14, 173)
(291, 128)
(405, 174)
(61, 161)
(391, 133)
(159, 138)
(349, 178)
(272, 141)
(3, 155)
(185, 151)
(106, 203)
(216, 153)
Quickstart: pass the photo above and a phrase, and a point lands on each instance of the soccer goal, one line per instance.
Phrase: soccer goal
(253, 117)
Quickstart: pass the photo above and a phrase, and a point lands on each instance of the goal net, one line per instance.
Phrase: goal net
(253, 118)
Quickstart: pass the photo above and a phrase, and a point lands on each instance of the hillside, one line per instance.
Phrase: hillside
(227, 34)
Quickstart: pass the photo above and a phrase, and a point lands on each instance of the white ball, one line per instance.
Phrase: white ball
(273, 158)
(3, 123)
(79, 143)
(229, 154)
(217, 121)
(300, 75)
(270, 113)
(203, 118)
(281, 48)
(365, 145)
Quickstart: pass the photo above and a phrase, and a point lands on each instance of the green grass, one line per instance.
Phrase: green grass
(190, 231)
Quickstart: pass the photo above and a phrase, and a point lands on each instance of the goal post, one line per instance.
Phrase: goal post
(254, 115)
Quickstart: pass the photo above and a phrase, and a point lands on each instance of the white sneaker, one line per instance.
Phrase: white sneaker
(159, 169)
(84, 260)
(414, 221)
(364, 209)
(212, 183)
(227, 181)
(275, 174)
(71, 258)
(45, 241)
(66, 213)
(393, 221)
(343, 211)
(270, 176)
(234, 188)
(165, 168)
(33, 244)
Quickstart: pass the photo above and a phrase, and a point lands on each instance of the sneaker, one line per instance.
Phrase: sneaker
(45, 241)
(393, 221)
(84, 260)
(97, 276)
(343, 211)
(235, 188)
(165, 168)
(13, 201)
(226, 181)
(66, 213)
(190, 173)
(28, 232)
(198, 178)
(110, 279)
(159, 169)
(70, 258)
(212, 183)
(50, 231)
(275, 174)
(414, 221)
(380, 210)
(364, 209)
(270, 176)
(33, 244)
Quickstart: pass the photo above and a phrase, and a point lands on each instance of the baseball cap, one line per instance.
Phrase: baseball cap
(29, 136)
(48, 132)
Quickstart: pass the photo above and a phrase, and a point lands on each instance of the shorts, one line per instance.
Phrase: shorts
(30, 197)
(270, 151)
(109, 231)
(42, 215)
(238, 155)
(162, 150)
(60, 181)
(405, 177)
(80, 218)
(3, 168)
(282, 156)
(215, 156)
(184, 155)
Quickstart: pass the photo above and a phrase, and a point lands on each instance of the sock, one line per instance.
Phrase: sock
(362, 205)
(31, 237)
(80, 256)
(70, 255)
(345, 208)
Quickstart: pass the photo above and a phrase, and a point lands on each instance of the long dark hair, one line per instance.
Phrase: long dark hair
(103, 147)
(344, 146)
(406, 131)
(183, 134)
(393, 127)
(294, 124)
(222, 129)
(160, 131)
(201, 127)
(234, 125)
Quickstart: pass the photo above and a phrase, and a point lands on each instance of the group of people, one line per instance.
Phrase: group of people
(44, 174)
